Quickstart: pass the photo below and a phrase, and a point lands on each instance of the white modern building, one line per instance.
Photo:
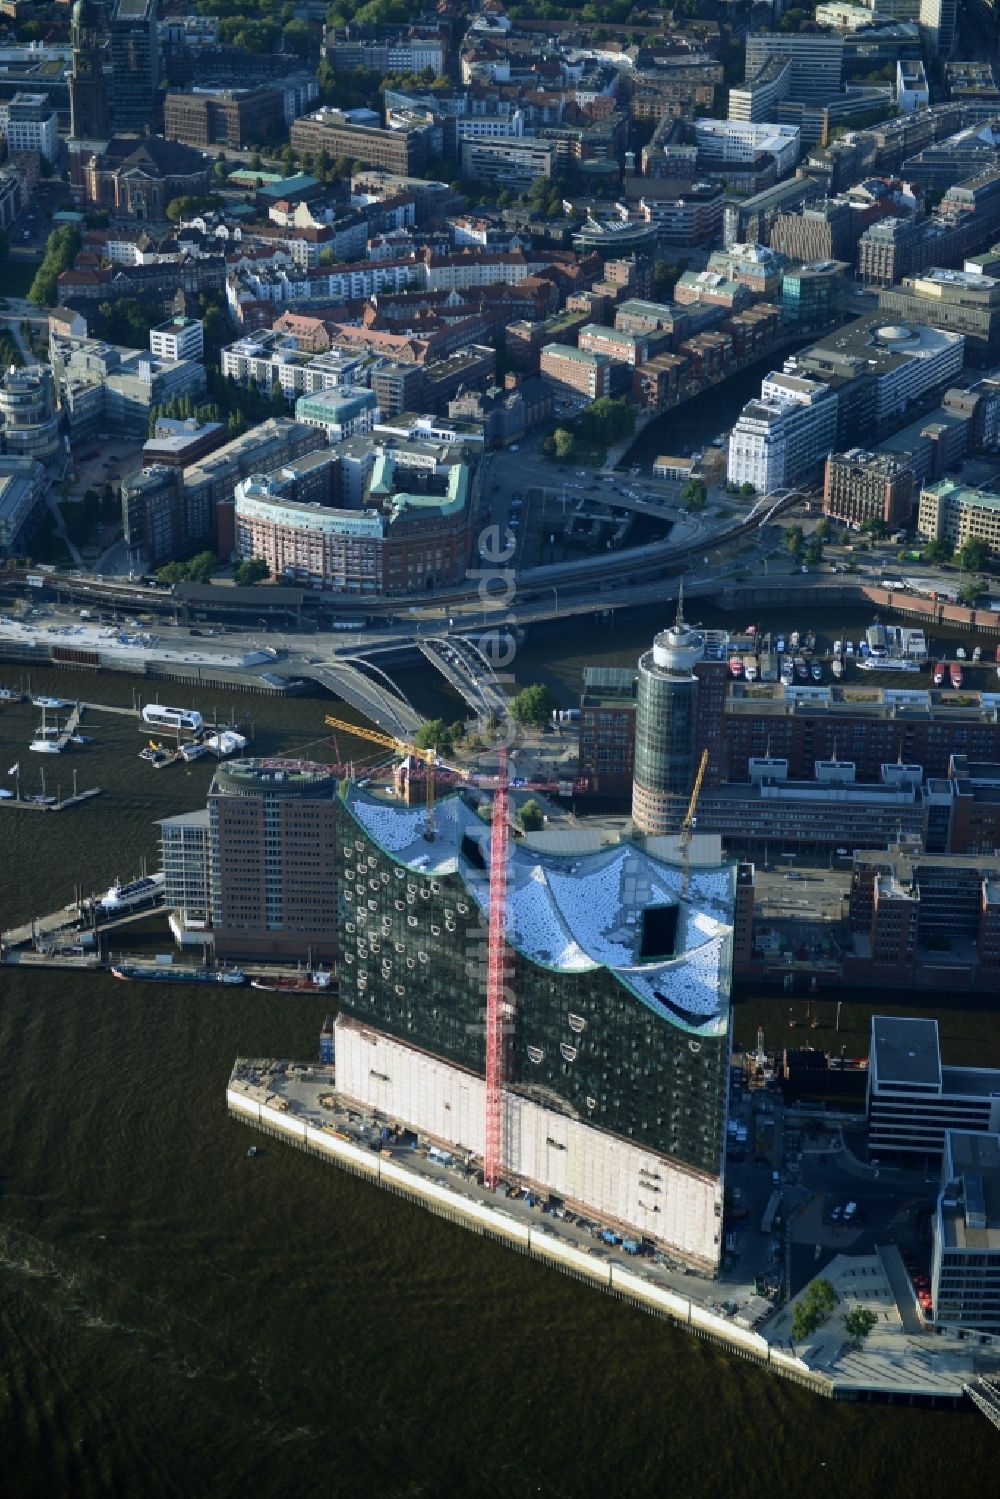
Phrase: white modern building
(786, 435)
(965, 1266)
(29, 123)
(756, 98)
(906, 361)
(490, 127)
(273, 361)
(721, 141)
(817, 61)
(179, 337)
(912, 89)
(344, 411)
(914, 1098)
(842, 16)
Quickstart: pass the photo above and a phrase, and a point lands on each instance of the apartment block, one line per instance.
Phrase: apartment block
(179, 337)
(816, 59)
(957, 513)
(860, 486)
(627, 348)
(403, 152)
(965, 1265)
(784, 437)
(510, 161)
(576, 370)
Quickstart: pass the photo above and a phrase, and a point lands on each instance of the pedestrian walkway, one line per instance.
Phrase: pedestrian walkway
(51, 499)
(899, 1283)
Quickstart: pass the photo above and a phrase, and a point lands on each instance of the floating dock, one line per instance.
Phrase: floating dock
(50, 804)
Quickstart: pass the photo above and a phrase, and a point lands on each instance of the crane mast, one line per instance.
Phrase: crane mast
(496, 984)
(687, 826)
(401, 747)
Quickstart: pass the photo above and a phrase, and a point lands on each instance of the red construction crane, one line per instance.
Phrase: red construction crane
(496, 980)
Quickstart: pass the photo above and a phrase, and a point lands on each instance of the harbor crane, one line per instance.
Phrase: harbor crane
(399, 747)
(688, 825)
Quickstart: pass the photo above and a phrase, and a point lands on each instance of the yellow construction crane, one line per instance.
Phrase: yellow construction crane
(687, 826)
(398, 746)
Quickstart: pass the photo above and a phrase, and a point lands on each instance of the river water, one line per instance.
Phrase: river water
(176, 1320)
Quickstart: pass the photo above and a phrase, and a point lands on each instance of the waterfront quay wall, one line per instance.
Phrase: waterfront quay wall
(848, 593)
(229, 679)
(541, 1244)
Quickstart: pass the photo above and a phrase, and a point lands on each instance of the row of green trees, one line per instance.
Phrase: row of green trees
(815, 1306)
(126, 322)
(202, 567)
(60, 252)
(531, 707)
(183, 409)
(600, 424)
(197, 569)
(189, 205)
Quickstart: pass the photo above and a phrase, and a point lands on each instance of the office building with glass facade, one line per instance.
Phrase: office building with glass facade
(666, 710)
(136, 104)
(965, 1265)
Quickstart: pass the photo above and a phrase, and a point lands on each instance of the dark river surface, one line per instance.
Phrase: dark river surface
(176, 1320)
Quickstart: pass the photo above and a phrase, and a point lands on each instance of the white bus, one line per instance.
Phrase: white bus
(159, 717)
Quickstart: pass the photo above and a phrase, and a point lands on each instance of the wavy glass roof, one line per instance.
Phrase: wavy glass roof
(580, 912)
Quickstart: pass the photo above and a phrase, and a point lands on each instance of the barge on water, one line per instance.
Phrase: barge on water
(169, 974)
(296, 983)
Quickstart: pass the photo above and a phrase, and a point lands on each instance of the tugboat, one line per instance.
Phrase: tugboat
(955, 673)
(736, 666)
(816, 672)
(938, 673)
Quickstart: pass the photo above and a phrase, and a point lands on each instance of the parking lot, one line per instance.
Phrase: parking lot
(832, 1200)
